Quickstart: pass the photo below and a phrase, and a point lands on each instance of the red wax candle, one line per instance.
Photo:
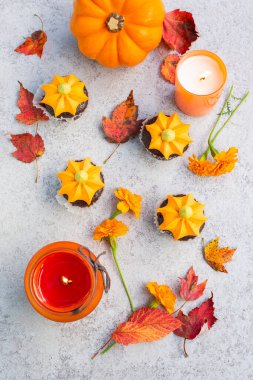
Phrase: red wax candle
(61, 283)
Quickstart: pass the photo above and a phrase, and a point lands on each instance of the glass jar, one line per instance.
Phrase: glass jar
(64, 281)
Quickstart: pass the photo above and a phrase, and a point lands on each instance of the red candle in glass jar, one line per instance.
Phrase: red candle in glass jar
(63, 281)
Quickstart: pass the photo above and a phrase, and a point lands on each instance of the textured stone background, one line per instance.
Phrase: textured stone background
(35, 348)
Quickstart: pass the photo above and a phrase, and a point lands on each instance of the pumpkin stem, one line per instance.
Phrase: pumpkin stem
(115, 22)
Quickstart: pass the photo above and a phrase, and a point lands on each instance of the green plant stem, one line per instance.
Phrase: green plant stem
(232, 114)
(108, 348)
(154, 304)
(220, 115)
(115, 214)
(212, 139)
(205, 154)
(113, 243)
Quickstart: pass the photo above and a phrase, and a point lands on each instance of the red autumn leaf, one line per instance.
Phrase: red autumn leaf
(145, 325)
(190, 291)
(29, 147)
(34, 44)
(123, 124)
(168, 68)
(197, 321)
(179, 30)
(29, 113)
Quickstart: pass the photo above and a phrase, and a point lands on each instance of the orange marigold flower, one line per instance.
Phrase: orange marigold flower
(200, 168)
(110, 227)
(129, 201)
(224, 163)
(163, 294)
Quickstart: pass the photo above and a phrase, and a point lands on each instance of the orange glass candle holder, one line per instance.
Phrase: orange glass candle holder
(200, 78)
(64, 281)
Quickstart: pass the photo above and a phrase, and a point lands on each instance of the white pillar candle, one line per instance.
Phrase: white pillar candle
(200, 75)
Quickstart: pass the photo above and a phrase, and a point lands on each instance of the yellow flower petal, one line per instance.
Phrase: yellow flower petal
(123, 207)
(163, 294)
(129, 201)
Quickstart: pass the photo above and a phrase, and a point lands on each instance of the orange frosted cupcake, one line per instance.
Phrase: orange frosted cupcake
(181, 216)
(65, 97)
(82, 183)
(165, 137)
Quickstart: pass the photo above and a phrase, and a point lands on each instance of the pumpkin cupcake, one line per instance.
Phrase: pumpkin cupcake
(181, 216)
(82, 183)
(165, 137)
(65, 97)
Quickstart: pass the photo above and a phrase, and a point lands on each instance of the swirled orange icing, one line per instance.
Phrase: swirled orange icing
(80, 181)
(64, 94)
(169, 135)
(182, 216)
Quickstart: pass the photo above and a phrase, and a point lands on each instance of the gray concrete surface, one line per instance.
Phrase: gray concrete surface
(35, 348)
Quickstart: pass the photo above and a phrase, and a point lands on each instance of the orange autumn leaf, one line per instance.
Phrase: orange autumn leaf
(123, 124)
(145, 325)
(168, 68)
(29, 113)
(216, 256)
(29, 147)
(108, 228)
(34, 44)
(179, 30)
(164, 295)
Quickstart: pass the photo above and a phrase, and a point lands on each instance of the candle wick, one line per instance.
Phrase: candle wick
(204, 75)
(65, 280)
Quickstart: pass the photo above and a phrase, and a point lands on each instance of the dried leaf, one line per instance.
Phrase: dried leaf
(197, 321)
(29, 113)
(29, 147)
(179, 30)
(168, 68)
(123, 124)
(216, 256)
(145, 325)
(190, 291)
(33, 44)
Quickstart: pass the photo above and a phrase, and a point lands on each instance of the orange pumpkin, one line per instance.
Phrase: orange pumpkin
(117, 32)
